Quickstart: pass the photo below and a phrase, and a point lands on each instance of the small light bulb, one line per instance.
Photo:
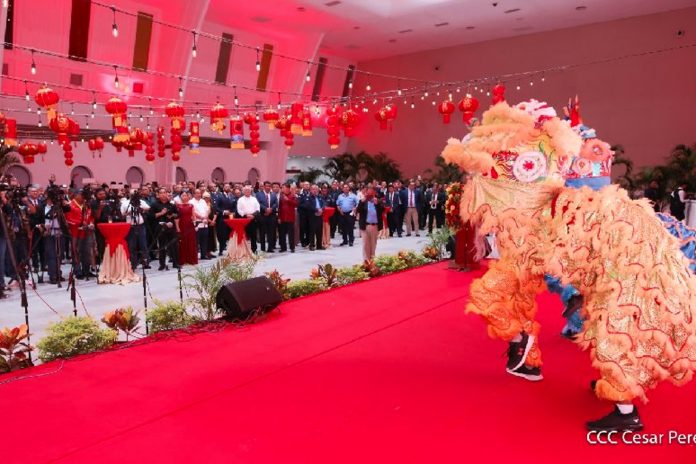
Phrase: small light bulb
(87, 125)
(368, 87)
(38, 112)
(94, 105)
(40, 123)
(488, 94)
(26, 95)
(422, 97)
(426, 93)
(258, 66)
(398, 92)
(92, 115)
(148, 127)
(29, 109)
(458, 90)
(116, 81)
(181, 92)
(33, 68)
(308, 77)
(434, 103)
(152, 111)
(543, 79)
(518, 87)
(374, 102)
(194, 51)
(5, 3)
(141, 118)
(413, 105)
(531, 83)
(236, 100)
(350, 84)
(114, 30)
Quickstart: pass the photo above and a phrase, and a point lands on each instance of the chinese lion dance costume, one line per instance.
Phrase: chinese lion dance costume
(638, 294)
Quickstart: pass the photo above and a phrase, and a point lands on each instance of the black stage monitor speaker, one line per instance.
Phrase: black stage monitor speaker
(239, 299)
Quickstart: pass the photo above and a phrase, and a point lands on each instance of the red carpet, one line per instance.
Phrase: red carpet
(389, 370)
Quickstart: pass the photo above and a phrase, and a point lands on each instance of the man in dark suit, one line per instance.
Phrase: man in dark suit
(393, 200)
(412, 202)
(224, 204)
(268, 222)
(435, 205)
(312, 207)
(304, 219)
(370, 222)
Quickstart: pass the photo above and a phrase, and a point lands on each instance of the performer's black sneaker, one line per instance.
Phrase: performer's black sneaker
(617, 421)
(532, 374)
(517, 351)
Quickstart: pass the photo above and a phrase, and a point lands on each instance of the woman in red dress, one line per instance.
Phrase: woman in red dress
(188, 249)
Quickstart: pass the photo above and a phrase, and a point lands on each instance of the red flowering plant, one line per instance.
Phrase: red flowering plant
(13, 350)
(452, 216)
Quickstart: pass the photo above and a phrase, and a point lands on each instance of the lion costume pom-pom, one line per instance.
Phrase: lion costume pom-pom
(471, 162)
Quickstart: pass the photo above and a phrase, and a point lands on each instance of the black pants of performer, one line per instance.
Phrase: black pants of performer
(202, 239)
(316, 232)
(287, 236)
(223, 234)
(393, 222)
(347, 228)
(267, 232)
(437, 216)
(53, 250)
(334, 223)
(101, 245)
(251, 230)
(305, 229)
(38, 255)
(168, 245)
(137, 245)
(401, 214)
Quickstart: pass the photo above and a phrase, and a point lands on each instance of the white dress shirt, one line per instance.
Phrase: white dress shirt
(201, 210)
(127, 211)
(247, 205)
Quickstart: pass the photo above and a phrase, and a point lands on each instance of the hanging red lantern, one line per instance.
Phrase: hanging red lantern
(254, 135)
(61, 126)
(332, 127)
(194, 137)
(176, 143)
(218, 115)
(47, 98)
(306, 123)
(271, 116)
(10, 132)
(175, 112)
(176, 157)
(382, 116)
(289, 139)
(149, 148)
(117, 108)
(255, 149)
(446, 108)
(349, 120)
(96, 145)
(236, 132)
(296, 115)
(28, 151)
(160, 142)
(69, 162)
(468, 106)
(498, 93)
(283, 124)
(41, 149)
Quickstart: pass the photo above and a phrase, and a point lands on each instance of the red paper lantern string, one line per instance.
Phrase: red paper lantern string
(446, 108)
(468, 106)
(149, 148)
(47, 98)
(28, 150)
(117, 108)
(218, 115)
(160, 142)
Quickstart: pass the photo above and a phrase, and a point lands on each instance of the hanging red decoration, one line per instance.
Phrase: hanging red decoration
(41, 149)
(28, 150)
(283, 124)
(47, 98)
(254, 135)
(468, 106)
(96, 145)
(289, 139)
(271, 116)
(117, 108)
(61, 126)
(160, 142)
(498, 93)
(236, 132)
(175, 112)
(195, 137)
(306, 123)
(382, 116)
(135, 141)
(332, 127)
(296, 115)
(446, 108)
(10, 132)
(149, 148)
(392, 109)
(218, 115)
(349, 120)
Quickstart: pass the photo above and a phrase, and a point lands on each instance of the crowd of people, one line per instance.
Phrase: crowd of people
(185, 223)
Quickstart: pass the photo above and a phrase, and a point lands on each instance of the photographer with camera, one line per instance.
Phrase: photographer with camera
(134, 209)
(81, 226)
(53, 229)
(34, 207)
(167, 217)
(103, 212)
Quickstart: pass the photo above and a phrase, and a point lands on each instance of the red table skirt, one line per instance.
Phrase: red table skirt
(238, 226)
(114, 234)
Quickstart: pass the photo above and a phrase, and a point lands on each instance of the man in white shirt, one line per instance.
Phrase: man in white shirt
(134, 210)
(201, 213)
(248, 206)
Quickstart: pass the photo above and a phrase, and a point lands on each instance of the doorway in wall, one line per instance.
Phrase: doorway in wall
(218, 175)
(181, 175)
(22, 174)
(253, 176)
(79, 173)
(135, 175)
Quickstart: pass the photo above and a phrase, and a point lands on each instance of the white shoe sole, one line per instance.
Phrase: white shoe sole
(530, 343)
(531, 378)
